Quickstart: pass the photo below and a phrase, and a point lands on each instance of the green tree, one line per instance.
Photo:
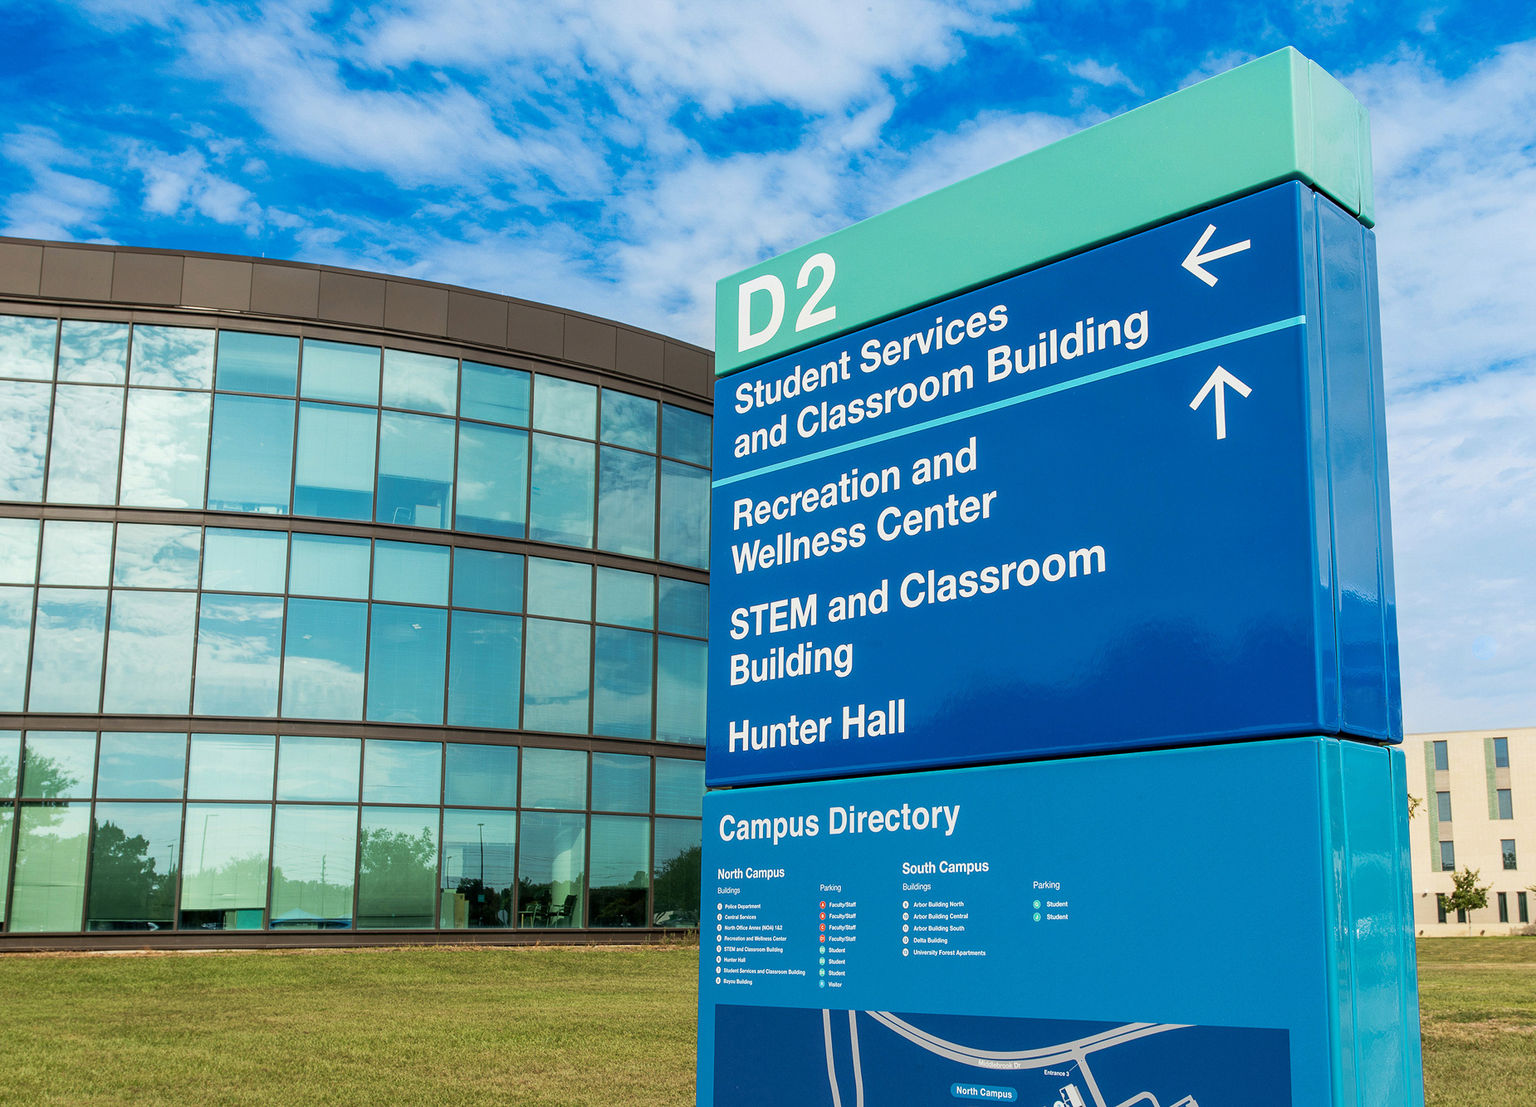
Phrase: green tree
(1466, 894)
(677, 889)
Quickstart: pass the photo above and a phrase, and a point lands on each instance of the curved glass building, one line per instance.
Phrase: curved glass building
(338, 607)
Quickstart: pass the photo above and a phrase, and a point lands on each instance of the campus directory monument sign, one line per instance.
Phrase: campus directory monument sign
(1128, 503)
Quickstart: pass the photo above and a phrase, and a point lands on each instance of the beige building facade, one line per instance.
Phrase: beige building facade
(1477, 810)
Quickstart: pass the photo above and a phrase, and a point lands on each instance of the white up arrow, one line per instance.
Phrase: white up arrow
(1219, 381)
(1195, 261)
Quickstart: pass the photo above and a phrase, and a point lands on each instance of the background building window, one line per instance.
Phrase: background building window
(1447, 857)
(1506, 803)
(1507, 848)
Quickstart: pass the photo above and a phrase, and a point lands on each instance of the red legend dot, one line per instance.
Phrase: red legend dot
(823, 926)
(823, 914)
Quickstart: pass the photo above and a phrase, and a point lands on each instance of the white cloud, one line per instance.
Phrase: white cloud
(1109, 76)
(61, 204)
(1456, 207)
(179, 184)
(1456, 200)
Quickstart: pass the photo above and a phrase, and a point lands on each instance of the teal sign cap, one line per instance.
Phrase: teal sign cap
(1276, 119)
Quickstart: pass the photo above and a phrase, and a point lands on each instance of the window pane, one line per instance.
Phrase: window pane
(318, 768)
(415, 470)
(172, 357)
(680, 690)
(76, 553)
(340, 371)
(678, 871)
(333, 476)
(1441, 759)
(562, 589)
(314, 854)
(420, 382)
(679, 787)
(621, 697)
(494, 394)
(1448, 857)
(564, 407)
(626, 505)
(621, 782)
(560, 509)
(483, 578)
(329, 565)
(25, 441)
(49, 889)
(141, 766)
(18, 550)
(323, 662)
(552, 853)
(406, 664)
(685, 434)
(149, 655)
(165, 449)
(10, 766)
(557, 672)
(94, 353)
(397, 880)
(402, 772)
(1506, 804)
(7, 823)
(239, 648)
(231, 766)
(58, 765)
(484, 671)
(626, 598)
(621, 870)
(150, 556)
(250, 463)
(82, 464)
(1501, 753)
(554, 778)
(684, 607)
(481, 775)
(629, 420)
(409, 572)
(684, 514)
(257, 363)
(1443, 803)
(479, 852)
(26, 347)
(66, 650)
(1507, 849)
(134, 849)
(245, 560)
(15, 633)
(493, 480)
(224, 866)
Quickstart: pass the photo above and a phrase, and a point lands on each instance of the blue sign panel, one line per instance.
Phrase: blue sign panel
(1126, 928)
(1135, 498)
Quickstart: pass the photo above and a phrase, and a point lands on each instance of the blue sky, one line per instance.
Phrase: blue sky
(620, 156)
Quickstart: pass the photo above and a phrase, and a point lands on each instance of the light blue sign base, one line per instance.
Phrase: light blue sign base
(1134, 498)
(1224, 925)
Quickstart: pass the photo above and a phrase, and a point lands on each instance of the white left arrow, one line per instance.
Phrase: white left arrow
(1195, 261)
(1219, 382)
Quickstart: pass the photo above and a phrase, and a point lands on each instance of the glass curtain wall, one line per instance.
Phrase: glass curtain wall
(143, 831)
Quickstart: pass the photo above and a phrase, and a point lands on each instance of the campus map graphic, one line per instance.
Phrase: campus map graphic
(882, 1059)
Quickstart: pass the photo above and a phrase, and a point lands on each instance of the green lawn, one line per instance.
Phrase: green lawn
(556, 1026)
(1477, 1003)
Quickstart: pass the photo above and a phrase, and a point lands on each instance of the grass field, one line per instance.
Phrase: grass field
(535, 1026)
(1477, 1007)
